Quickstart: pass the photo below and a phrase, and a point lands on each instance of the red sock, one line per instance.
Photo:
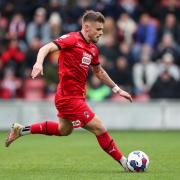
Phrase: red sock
(108, 145)
(47, 128)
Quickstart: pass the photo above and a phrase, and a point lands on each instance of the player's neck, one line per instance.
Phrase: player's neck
(85, 36)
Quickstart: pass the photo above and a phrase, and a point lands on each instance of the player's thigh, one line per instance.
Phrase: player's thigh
(65, 127)
(95, 126)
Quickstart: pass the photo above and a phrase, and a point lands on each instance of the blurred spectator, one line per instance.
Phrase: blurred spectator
(17, 27)
(38, 27)
(168, 65)
(109, 26)
(55, 24)
(126, 28)
(170, 27)
(124, 49)
(104, 6)
(10, 85)
(144, 74)
(109, 31)
(97, 91)
(3, 28)
(107, 65)
(25, 7)
(146, 35)
(58, 6)
(74, 14)
(80, 7)
(146, 31)
(164, 87)
(30, 56)
(7, 9)
(150, 6)
(167, 45)
(117, 7)
(131, 7)
(54, 6)
(169, 6)
(122, 74)
(13, 57)
(109, 48)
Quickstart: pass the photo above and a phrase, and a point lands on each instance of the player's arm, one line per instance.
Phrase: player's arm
(104, 77)
(43, 52)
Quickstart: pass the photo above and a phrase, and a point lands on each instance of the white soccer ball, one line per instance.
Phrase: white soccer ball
(137, 161)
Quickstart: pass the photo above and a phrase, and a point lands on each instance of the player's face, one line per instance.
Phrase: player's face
(95, 31)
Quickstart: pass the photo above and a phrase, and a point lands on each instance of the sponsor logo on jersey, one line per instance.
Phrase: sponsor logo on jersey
(86, 59)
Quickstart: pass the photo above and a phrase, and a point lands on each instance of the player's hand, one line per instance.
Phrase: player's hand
(125, 95)
(37, 70)
(116, 89)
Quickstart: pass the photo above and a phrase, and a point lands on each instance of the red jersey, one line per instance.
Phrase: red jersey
(76, 55)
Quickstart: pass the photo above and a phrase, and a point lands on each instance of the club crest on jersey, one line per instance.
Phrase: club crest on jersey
(86, 59)
(86, 114)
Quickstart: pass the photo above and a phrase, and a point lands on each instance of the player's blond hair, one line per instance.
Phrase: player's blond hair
(95, 16)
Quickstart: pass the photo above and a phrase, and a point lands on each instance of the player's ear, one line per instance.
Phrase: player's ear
(86, 27)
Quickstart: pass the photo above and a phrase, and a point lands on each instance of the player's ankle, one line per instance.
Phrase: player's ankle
(123, 162)
(123, 159)
(25, 130)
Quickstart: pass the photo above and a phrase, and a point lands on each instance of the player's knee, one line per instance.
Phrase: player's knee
(66, 131)
(65, 127)
(96, 126)
(98, 130)
(99, 127)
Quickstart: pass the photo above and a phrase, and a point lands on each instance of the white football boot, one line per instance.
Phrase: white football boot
(13, 134)
(123, 162)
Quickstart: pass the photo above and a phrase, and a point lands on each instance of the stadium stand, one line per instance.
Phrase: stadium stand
(139, 48)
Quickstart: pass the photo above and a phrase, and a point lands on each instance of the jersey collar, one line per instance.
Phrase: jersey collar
(83, 37)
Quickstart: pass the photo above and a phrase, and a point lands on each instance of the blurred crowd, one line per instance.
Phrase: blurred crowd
(140, 48)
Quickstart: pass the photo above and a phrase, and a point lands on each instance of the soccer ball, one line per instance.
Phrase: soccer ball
(137, 161)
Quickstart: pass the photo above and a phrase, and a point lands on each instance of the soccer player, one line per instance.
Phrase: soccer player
(77, 53)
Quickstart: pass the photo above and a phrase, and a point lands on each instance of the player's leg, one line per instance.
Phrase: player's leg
(105, 140)
(63, 128)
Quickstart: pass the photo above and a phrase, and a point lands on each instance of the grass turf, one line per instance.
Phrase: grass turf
(78, 157)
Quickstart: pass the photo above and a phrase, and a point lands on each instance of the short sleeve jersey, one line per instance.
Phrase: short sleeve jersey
(76, 55)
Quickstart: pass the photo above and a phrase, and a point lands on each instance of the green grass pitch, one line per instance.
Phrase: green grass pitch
(78, 157)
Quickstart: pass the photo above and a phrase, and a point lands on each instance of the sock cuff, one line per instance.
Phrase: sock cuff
(105, 140)
(103, 134)
(25, 130)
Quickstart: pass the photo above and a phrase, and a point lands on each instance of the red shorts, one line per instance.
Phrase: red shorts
(75, 110)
